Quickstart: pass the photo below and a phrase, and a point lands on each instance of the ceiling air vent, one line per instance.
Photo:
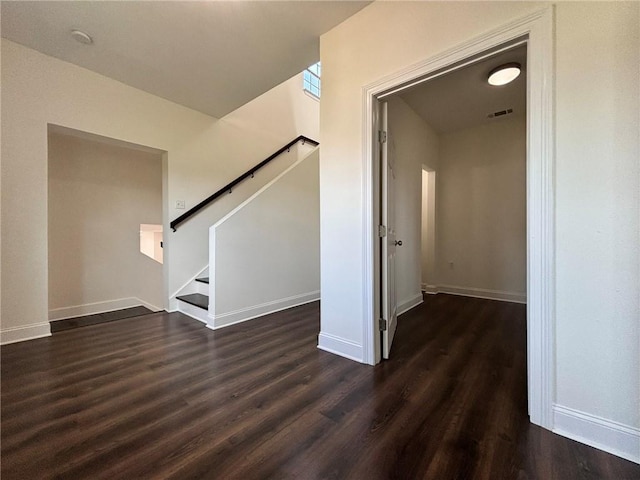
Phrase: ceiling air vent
(500, 113)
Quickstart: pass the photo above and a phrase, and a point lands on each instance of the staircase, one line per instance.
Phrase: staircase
(196, 304)
(287, 236)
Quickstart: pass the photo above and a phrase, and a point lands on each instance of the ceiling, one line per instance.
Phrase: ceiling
(463, 98)
(211, 56)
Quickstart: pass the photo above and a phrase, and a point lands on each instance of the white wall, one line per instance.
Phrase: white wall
(203, 154)
(481, 210)
(597, 210)
(157, 247)
(98, 196)
(416, 144)
(266, 253)
(428, 227)
(596, 187)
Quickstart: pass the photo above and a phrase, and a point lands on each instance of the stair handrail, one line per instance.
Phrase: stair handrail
(229, 187)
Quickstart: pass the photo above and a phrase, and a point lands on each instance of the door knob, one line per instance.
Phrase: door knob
(399, 243)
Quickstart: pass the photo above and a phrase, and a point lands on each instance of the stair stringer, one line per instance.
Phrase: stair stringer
(191, 286)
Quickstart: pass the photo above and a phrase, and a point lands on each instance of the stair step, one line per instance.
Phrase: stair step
(203, 279)
(196, 299)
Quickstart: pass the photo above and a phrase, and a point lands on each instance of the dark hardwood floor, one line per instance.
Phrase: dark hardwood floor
(162, 397)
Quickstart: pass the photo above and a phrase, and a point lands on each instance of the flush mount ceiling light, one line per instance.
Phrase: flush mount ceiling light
(504, 74)
(81, 37)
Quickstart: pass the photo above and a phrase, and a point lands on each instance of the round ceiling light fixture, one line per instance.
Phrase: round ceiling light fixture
(504, 74)
(82, 37)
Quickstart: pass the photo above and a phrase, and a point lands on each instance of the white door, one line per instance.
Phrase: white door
(388, 241)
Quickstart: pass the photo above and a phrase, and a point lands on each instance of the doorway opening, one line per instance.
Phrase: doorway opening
(428, 280)
(536, 33)
(448, 125)
(105, 202)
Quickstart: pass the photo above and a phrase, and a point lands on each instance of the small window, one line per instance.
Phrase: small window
(311, 82)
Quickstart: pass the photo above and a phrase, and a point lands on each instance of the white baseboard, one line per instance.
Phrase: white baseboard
(192, 311)
(26, 332)
(603, 434)
(340, 346)
(429, 289)
(99, 307)
(226, 319)
(503, 296)
(409, 304)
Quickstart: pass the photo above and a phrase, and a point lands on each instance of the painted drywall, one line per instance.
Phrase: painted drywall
(597, 244)
(415, 144)
(203, 154)
(428, 230)
(481, 208)
(99, 195)
(597, 209)
(266, 254)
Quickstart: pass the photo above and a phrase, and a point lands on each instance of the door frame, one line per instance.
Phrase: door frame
(536, 30)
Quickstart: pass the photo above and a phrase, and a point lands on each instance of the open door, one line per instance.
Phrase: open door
(387, 234)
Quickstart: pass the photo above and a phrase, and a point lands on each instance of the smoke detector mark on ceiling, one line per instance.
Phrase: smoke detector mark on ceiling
(500, 113)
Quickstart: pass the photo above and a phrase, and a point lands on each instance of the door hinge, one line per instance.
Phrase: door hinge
(382, 324)
(382, 231)
(382, 136)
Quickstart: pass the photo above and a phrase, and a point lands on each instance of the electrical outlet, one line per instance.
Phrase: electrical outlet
(180, 204)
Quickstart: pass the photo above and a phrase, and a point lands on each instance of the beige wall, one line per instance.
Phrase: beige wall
(478, 211)
(597, 182)
(203, 154)
(598, 209)
(416, 144)
(267, 252)
(429, 248)
(481, 209)
(98, 196)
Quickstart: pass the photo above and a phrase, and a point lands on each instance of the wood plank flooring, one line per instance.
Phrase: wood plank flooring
(162, 397)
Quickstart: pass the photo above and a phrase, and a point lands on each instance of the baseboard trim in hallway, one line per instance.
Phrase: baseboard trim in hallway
(86, 320)
(26, 332)
(99, 307)
(612, 437)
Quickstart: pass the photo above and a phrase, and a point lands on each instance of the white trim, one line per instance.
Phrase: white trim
(221, 320)
(340, 346)
(192, 311)
(537, 28)
(429, 289)
(613, 437)
(500, 295)
(24, 332)
(409, 304)
(99, 307)
(173, 302)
